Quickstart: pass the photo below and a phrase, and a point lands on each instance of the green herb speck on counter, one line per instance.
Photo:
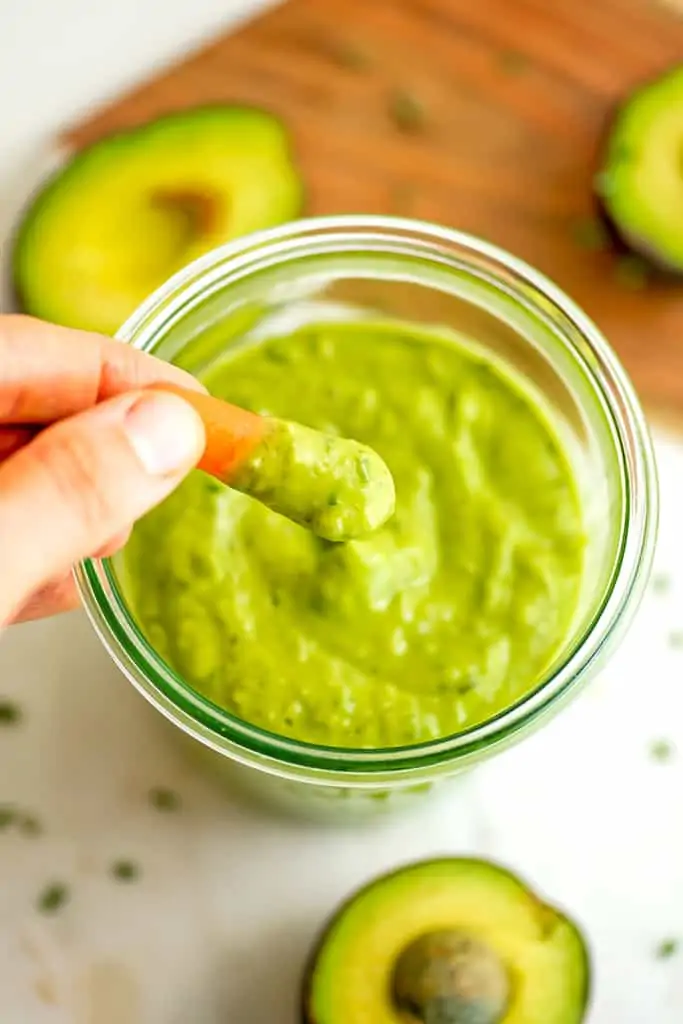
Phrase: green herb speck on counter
(512, 62)
(8, 816)
(660, 583)
(53, 898)
(29, 824)
(25, 822)
(125, 871)
(407, 112)
(164, 799)
(350, 55)
(590, 233)
(631, 272)
(402, 199)
(666, 949)
(662, 751)
(10, 712)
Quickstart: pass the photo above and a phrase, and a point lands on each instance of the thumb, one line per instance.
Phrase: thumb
(81, 481)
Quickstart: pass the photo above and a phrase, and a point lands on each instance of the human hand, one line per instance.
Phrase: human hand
(84, 452)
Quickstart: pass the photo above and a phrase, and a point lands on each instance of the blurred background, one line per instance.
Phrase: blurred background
(489, 117)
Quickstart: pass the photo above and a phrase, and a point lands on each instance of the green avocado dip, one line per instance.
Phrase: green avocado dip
(444, 616)
(335, 486)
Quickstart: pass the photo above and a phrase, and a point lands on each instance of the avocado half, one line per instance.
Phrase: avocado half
(453, 941)
(132, 209)
(640, 181)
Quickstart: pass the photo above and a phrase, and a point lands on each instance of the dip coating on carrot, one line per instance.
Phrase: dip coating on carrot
(338, 488)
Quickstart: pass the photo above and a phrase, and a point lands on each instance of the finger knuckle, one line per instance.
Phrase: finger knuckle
(12, 389)
(69, 462)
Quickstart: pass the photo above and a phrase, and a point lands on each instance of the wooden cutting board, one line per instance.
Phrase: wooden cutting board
(486, 115)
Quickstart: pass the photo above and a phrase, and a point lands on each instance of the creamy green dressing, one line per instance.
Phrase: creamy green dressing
(444, 616)
(335, 486)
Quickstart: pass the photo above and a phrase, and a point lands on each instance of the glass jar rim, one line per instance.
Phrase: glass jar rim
(249, 744)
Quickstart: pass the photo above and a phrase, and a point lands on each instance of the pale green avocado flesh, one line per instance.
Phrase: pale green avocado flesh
(513, 959)
(133, 208)
(640, 183)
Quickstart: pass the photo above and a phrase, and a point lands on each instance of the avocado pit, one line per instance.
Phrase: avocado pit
(450, 977)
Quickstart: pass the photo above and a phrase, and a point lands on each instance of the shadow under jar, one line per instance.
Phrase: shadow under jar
(375, 271)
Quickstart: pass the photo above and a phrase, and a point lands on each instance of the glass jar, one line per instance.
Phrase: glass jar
(378, 267)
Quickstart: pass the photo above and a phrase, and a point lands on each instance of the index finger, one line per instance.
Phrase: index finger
(49, 372)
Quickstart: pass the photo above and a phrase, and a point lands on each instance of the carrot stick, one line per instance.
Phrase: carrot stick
(231, 433)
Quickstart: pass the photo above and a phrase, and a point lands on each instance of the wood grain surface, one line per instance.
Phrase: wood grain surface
(486, 115)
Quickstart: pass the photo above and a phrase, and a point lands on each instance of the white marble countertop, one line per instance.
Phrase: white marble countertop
(217, 926)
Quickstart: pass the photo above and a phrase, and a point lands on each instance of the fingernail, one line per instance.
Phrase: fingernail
(165, 432)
